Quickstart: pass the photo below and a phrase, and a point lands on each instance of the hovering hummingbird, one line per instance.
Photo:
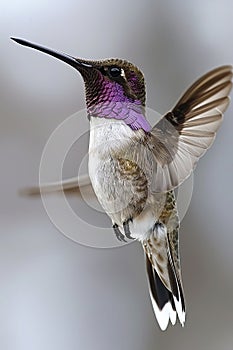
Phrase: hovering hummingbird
(134, 167)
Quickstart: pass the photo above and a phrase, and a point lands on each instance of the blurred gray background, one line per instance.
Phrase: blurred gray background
(56, 294)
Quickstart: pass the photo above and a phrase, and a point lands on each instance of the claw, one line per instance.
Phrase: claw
(126, 229)
(118, 233)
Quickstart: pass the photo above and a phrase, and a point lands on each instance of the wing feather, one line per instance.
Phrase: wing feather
(73, 185)
(183, 135)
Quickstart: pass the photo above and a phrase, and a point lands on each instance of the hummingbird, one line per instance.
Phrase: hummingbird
(134, 168)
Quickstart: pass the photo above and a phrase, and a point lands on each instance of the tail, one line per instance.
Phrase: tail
(164, 281)
(166, 304)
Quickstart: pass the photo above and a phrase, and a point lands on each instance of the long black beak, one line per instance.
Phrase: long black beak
(74, 62)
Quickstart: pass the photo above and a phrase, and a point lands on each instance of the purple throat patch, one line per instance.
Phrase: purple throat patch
(130, 112)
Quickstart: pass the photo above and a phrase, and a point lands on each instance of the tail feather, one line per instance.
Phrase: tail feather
(167, 304)
(162, 299)
(176, 287)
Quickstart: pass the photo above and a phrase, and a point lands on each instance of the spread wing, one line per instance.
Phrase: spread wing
(183, 135)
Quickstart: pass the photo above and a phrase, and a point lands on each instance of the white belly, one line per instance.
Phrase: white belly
(107, 135)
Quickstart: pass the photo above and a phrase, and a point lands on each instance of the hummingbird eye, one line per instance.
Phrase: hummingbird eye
(114, 72)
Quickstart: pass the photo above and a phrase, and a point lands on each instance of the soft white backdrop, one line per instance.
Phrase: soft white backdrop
(54, 293)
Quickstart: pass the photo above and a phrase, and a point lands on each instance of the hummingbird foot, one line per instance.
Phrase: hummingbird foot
(126, 228)
(118, 233)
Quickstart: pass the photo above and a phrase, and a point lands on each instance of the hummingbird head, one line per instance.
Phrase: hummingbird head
(114, 88)
(114, 80)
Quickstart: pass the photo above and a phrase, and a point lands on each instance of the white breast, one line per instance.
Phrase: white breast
(106, 135)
